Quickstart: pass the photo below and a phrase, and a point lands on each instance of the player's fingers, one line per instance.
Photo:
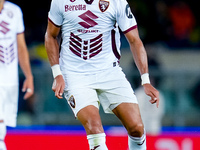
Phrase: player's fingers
(29, 93)
(58, 95)
(24, 87)
(157, 103)
(152, 101)
(58, 86)
(59, 92)
(154, 98)
(54, 86)
(151, 95)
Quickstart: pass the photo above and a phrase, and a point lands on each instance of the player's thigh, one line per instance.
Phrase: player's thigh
(79, 98)
(85, 106)
(130, 116)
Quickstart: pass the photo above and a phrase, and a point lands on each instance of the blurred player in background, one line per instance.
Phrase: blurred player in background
(86, 65)
(12, 49)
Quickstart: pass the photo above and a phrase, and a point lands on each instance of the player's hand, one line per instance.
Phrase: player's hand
(58, 86)
(153, 93)
(28, 87)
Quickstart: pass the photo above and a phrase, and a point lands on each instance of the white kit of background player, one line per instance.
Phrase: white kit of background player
(12, 50)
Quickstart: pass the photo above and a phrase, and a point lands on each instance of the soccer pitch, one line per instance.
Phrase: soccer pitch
(74, 138)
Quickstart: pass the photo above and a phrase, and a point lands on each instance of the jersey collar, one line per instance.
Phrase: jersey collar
(89, 1)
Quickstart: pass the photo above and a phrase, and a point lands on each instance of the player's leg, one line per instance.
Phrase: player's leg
(2, 135)
(2, 116)
(117, 96)
(90, 119)
(130, 117)
(8, 110)
(83, 101)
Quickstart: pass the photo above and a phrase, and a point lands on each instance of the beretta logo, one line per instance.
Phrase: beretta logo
(103, 5)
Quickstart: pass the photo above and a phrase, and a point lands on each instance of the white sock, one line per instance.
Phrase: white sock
(2, 136)
(97, 141)
(137, 143)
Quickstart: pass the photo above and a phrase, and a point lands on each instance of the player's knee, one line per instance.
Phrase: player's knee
(94, 127)
(136, 130)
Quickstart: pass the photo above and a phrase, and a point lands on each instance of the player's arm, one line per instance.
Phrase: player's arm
(24, 63)
(52, 48)
(140, 58)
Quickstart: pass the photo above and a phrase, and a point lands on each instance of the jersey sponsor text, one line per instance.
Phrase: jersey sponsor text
(74, 7)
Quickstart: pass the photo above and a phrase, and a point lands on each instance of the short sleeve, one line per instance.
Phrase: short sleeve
(55, 14)
(20, 24)
(125, 17)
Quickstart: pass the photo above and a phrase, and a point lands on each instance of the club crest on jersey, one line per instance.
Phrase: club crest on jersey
(72, 102)
(103, 5)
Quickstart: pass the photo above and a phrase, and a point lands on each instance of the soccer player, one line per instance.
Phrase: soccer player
(86, 67)
(12, 49)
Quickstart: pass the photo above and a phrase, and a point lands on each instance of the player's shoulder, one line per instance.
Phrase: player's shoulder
(11, 5)
(61, 1)
(117, 3)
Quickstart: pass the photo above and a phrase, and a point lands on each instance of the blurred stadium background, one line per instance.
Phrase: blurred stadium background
(170, 30)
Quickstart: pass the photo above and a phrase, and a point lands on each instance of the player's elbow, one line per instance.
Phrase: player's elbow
(48, 38)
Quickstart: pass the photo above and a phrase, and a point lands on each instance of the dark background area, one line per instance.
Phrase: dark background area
(35, 18)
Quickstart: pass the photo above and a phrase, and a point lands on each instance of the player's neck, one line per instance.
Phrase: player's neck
(1, 7)
(1, 4)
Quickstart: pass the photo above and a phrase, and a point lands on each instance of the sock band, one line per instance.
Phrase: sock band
(138, 143)
(97, 141)
(139, 140)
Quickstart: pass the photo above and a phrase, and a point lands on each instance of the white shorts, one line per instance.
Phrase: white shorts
(108, 88)
(9, 104)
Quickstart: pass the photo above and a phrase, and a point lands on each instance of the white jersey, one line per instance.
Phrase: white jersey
(90, 34)
(11, 24)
